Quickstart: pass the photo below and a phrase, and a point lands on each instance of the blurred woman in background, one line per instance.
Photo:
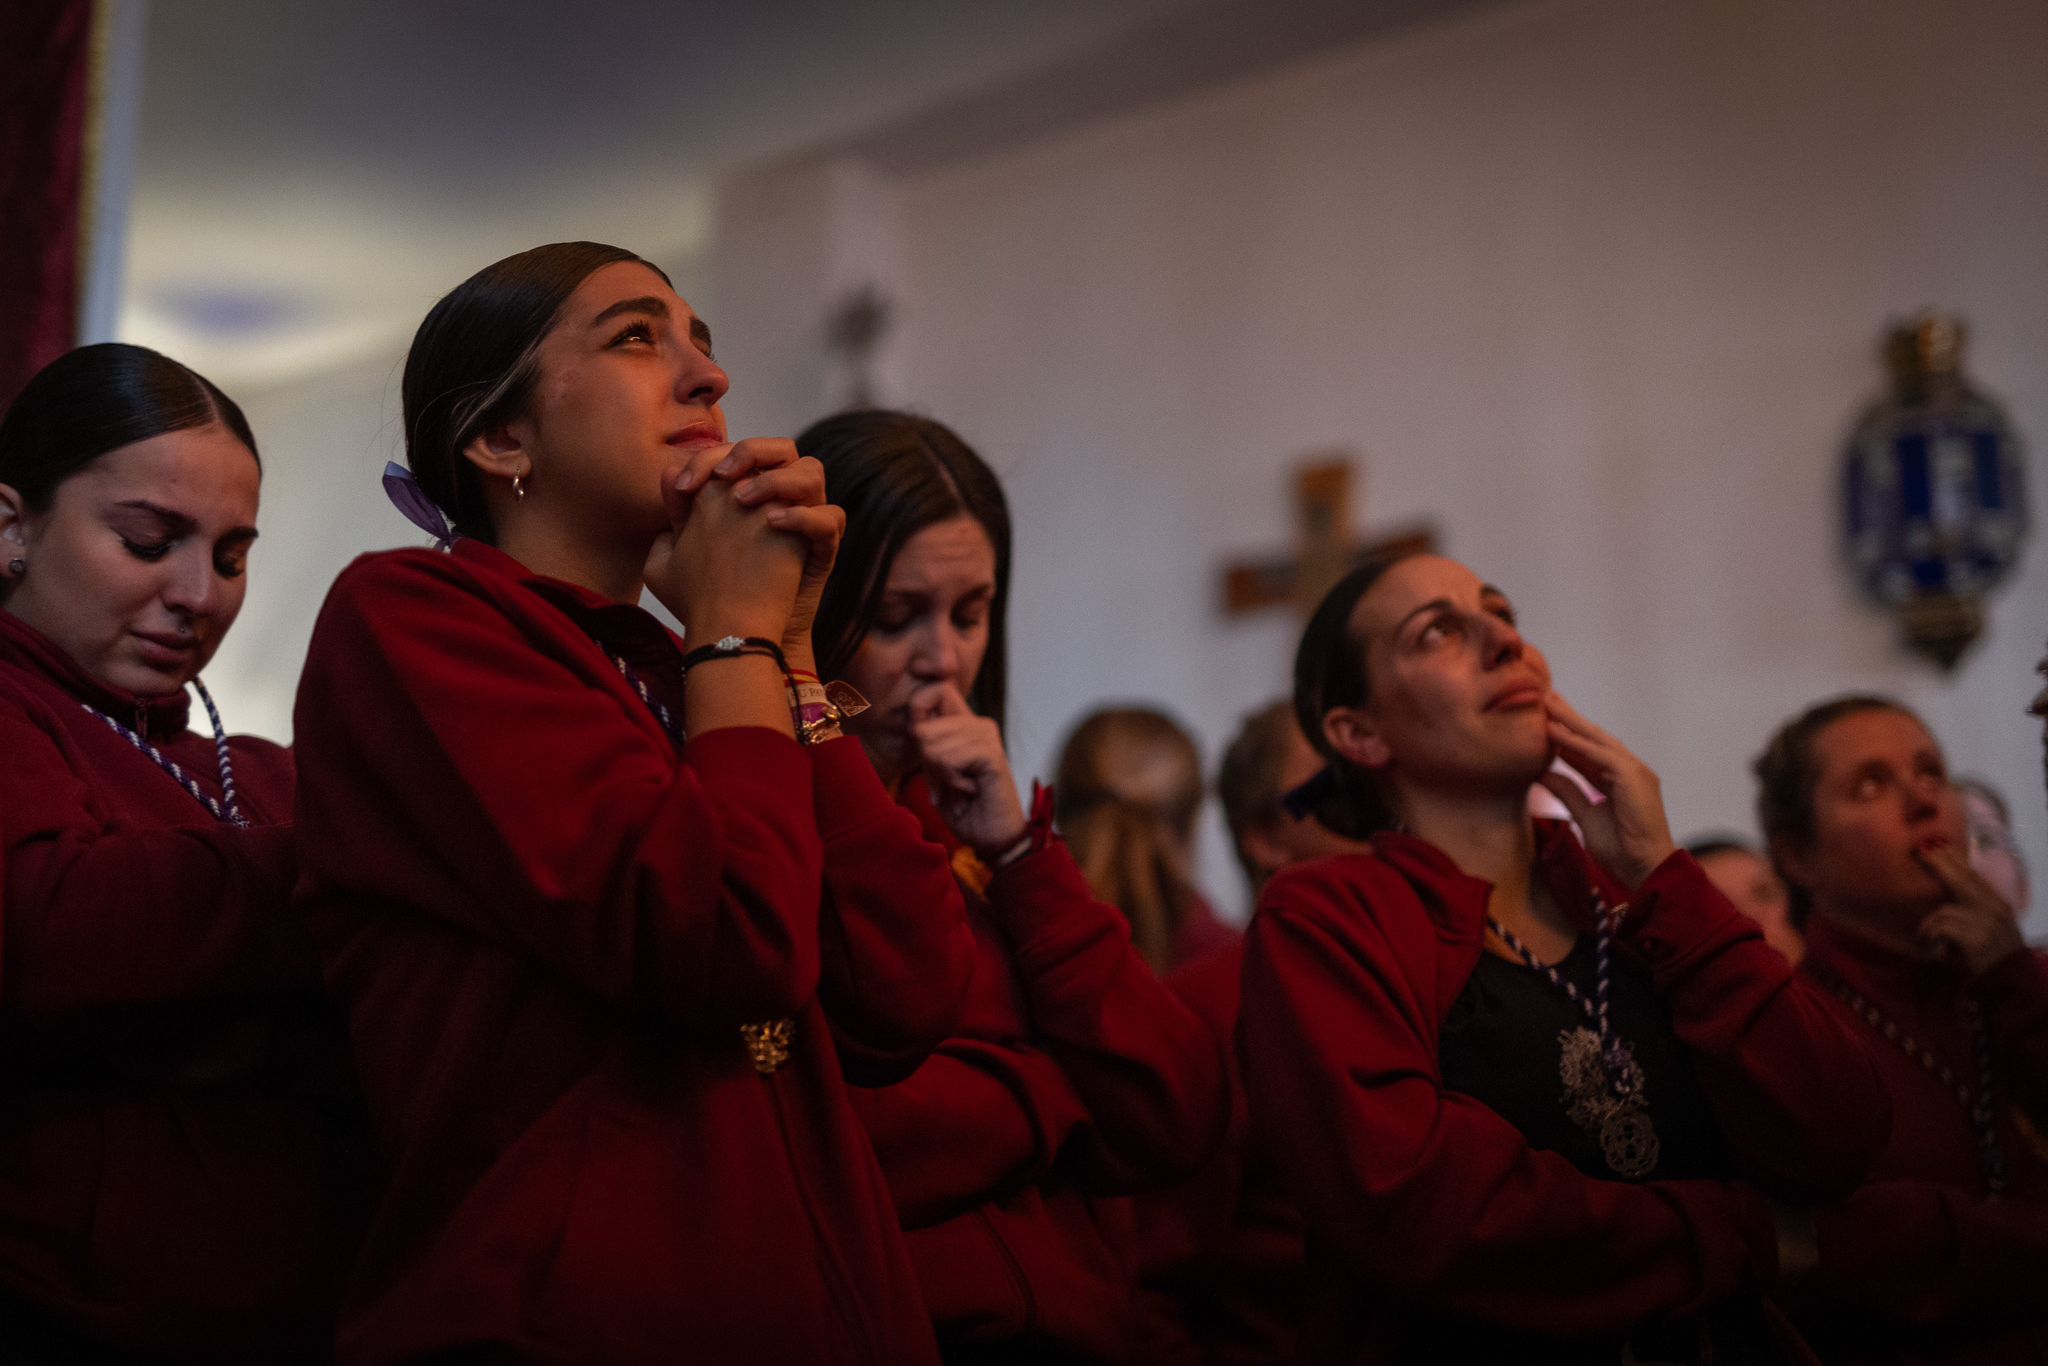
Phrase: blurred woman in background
(1129, 785)
(1753, 886)
(1943, 1256)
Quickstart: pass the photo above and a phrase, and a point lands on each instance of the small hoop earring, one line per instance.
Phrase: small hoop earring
(518, 486)
(17, 567)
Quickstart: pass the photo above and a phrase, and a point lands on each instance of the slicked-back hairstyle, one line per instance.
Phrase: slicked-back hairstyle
(471, 366)
(1329, 672)
(1788, 771)
(896, 474)
(98, 399)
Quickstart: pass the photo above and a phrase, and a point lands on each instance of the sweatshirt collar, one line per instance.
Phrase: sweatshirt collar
(1874, 966)
(1457, 900)
(157, 717)
(626, 629)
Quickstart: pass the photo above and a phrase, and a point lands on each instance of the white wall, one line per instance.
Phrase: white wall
(1596, 285)
(324, 444)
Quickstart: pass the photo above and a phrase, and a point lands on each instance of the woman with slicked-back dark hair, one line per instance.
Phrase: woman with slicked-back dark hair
(174, 1177)
(1534, 1098)
(1073, 1073)
(615, 915)
(1942, 1257)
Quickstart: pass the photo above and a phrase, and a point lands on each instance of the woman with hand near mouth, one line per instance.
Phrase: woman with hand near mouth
(169, 1176)
(1943, 1256)
(612, 941)
(1536, 1099)
(1073, 1073)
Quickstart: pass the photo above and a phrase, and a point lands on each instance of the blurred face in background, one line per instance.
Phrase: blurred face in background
(1281, 840)
(1881, 793)
(1993, 851)
(1755, 888)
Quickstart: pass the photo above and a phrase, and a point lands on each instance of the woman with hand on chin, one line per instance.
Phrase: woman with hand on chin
(1073, 1072)
(1535, 1099)
(172, 1157)
(1943, 1256)
(611, 939)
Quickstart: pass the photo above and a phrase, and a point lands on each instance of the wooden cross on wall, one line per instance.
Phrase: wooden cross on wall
(1324, 549)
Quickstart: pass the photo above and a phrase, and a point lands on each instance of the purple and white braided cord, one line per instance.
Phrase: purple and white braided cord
(1977, 1103)
(1984, 1114)
(661, 712)
(229, 809)
(1603, 976)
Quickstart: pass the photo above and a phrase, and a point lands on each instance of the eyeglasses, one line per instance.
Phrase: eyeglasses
(1986, 838)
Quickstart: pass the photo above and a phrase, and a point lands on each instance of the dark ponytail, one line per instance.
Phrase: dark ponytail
(1329, 672)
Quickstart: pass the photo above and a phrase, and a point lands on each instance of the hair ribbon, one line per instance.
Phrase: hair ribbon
(409, 498)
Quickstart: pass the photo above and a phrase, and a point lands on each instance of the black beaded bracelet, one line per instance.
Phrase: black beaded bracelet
(735, 647)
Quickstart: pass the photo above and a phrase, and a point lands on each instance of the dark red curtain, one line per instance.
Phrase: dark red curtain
(45, 75)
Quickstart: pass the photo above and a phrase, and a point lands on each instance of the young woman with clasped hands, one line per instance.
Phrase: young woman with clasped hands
(611, 941)
(1534, 1098)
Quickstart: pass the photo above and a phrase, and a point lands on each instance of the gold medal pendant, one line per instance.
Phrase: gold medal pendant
(1604, 1097)
(768, 1043)
(1629, 1143)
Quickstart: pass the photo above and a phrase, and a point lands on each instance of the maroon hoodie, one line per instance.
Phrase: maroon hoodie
(554, 930)
(1073, 1074)
(1922, 1265)
(1420, 1198)
(173, 1100)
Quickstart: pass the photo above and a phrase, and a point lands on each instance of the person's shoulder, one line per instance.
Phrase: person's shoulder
(405, 570)
(399, 592)
(19, 690)
(1341, 879)
(34, 715)
(268, 770)
(269, 753)
(1208, 984)
(1347, 894)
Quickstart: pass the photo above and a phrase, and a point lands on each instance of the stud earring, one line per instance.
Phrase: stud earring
(17, 567)
(518, 486)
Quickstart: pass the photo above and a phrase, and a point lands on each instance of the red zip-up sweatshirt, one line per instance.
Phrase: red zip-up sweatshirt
(1073, 1074)
(1921, 1265)
(174, 1154)
(550, 926)
(1223, 1250)
(1415, 1195)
